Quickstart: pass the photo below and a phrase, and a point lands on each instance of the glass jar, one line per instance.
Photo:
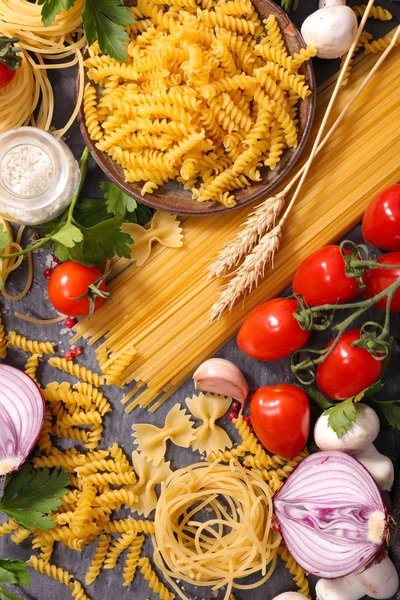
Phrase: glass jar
(39, 175)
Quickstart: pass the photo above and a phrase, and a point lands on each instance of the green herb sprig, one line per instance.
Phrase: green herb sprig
(341, 415)
(12, 572)
(90, 230)
(30, 496)
(103, 20)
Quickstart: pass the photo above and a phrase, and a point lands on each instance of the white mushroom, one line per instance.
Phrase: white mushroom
(220, 376)
(379, 581)
(331, 29)
(358, 441)
(325, 3)
(290, 596)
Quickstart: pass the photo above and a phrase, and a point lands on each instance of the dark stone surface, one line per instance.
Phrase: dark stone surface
(118, 424)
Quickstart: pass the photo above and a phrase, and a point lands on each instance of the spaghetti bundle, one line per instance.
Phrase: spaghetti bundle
(31, 87)
(234, 541)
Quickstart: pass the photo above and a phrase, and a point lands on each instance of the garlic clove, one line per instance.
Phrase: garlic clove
(220, 376)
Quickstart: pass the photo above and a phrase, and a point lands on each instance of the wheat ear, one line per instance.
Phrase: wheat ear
(255, 226)
(249, 273)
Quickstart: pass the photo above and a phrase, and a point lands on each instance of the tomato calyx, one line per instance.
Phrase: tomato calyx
(374, 337)
(9, 54)
(309, 318)
(94, 292)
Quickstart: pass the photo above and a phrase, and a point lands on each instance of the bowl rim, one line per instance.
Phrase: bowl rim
(214, 207)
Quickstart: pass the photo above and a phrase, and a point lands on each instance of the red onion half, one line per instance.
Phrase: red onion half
(21, 417)
(332, 515)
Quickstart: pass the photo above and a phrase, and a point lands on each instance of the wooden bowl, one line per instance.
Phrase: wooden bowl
(172, 197)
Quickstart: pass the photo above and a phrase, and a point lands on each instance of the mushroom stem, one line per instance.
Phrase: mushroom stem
(379, 465)
(379, 581)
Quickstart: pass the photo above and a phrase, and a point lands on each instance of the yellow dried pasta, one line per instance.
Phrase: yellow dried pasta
(132, 560)
(98, 559)
(164, 114)
(21, 342)
(154, 583)
(3, 340)
(73, 369)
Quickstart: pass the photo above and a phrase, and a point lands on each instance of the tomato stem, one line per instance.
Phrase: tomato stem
(377, 345)
(372, 264)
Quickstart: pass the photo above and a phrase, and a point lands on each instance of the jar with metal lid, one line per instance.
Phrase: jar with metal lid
(39, 175)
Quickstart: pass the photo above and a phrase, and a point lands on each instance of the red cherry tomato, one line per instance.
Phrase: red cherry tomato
(321, 278)
(377, 280)
(381, 222)
(348, 370)
(6, 75)
(271, 332)
(280, 415)
(70, 280)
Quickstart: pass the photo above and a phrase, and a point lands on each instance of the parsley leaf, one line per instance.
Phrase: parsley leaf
(117, 202)
(91, 211)
(101, 241)
(29, 497)
(103, 20)
(341, 416)
(389, 411)
(14, 572)
(4, 237)
(287, 5)
(141, 215)
(52, 8)
(68, 235)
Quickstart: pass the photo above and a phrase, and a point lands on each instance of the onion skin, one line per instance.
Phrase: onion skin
(223, 377)
(22, 410)
(332, 515)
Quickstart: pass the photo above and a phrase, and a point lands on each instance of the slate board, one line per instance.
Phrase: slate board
(118, 424)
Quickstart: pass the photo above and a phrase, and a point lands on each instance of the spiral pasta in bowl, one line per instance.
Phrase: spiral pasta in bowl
(212, 108)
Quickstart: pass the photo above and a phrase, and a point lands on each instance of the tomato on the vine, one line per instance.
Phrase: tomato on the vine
(381, 222)
(6, 75)
(321, 278)
(68, 282)
(377, 280)
(280, 416)
(271, 331)
(348, 370)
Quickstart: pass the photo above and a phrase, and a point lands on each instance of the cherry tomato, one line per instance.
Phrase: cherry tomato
(321, 278)
(381, 222)
(271, 332)
(70, 280)
(280, 415)
(6, 75)
(377, 280)
(348, 370)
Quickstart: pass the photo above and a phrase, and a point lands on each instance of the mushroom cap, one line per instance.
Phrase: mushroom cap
(331, 29)
(290, 596)
(324, 3)
(360, 435)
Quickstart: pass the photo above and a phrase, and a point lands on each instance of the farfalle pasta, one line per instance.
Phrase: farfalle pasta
(164, 229)
(190, 81)
(209, 437)
(148, 476)
(152, 441)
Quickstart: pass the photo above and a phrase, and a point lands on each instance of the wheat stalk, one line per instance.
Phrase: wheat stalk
(249, 273)
(255, 226)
